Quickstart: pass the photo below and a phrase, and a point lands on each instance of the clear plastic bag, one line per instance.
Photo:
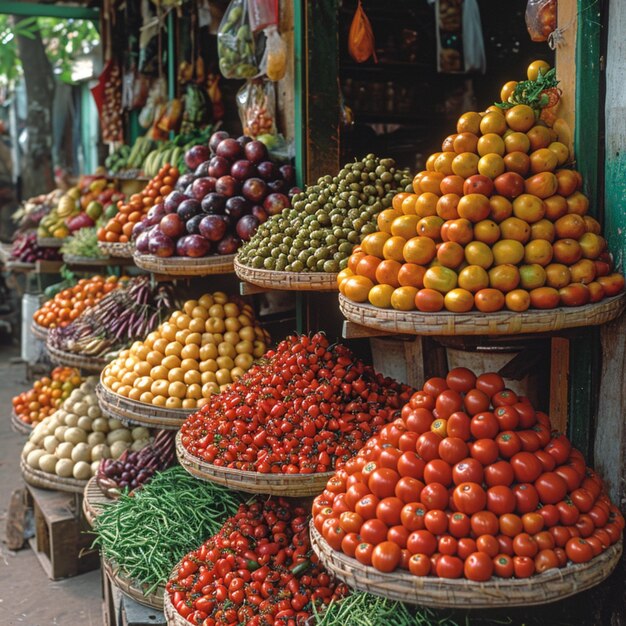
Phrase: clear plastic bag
(361, 45)
(235, 43)
(540, 19)
(263, 13)
(274, 63)
(256, 102)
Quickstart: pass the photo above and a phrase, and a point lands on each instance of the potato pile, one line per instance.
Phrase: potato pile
(71, 442)
(199, 350)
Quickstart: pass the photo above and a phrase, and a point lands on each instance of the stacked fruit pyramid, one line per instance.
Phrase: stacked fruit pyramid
(469, 482)
(497, 220)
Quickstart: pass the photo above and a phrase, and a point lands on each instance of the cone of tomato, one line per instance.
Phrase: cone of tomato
(470, 482)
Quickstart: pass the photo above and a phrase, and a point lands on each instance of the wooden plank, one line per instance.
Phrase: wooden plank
(559, 375)
(351, 330)
(248, 289)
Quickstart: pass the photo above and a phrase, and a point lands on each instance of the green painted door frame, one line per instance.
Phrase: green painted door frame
(34, 9)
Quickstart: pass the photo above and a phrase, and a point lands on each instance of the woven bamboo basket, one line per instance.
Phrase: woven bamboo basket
(39, 332)
(131, 411)
(476, 323)
(290, 485)
(185, 266)
(287, 281)
(19, 426)
(94, 501)
(172, 616)
(132, 588)
(38, 478)
(71, 259)
(124, 250)
(93, 364)
(554, 584)
(50, 242)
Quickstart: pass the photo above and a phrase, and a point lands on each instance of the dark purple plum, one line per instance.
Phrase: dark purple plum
(243, 140)
(193, 225)
(243, 169)
(228, 245)
(255, 190)
(172, 200)
(293, 191)
(229, 149)
(196, 155)
(277, 186)
(219, 166)
(255, 151)
(213, 227)
(275, 203)
(139, 228)
(260, 213)
(268, 170)
(188, 192)
(288, 173)
(227, 186)
(172, 226)
(202, 186)
(193, 246)
(154, 215)
(246, 227)
(184, 181)
(188, 208)
(237, 206)
(214, 203)
(215, 139)
(160, 244)
(202, 169)
(142, 243)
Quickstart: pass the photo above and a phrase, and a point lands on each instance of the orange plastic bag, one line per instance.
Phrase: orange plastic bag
(361, 44)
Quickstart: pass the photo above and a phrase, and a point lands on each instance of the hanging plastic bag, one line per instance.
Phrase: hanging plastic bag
(235, 43)
(274, 63)
(156, 97)
(361, 45)
(473, 44)
(263, 13)
(540, 19)
(256, 102)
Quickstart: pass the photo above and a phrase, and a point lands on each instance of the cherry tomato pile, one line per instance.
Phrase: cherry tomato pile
(46, 395)
(469, 482)
(307, 407)
(256, 571)
(68, 304)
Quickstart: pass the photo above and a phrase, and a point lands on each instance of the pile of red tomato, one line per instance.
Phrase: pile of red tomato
(257, 571)
(469, 482)
(306, 407)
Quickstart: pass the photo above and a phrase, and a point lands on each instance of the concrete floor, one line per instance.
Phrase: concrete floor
(27, 596)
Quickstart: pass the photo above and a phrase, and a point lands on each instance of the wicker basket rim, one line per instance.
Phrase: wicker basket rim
(129, 587)
(277, 279)
(20, 426)
(90, 363)
(39, 478)
(182, 266)
(110, 396)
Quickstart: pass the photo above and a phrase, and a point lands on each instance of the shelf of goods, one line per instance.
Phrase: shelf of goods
(551, 585)
(477, 323)
(286, 281)
(45, 480)
(290, 485)
(185, 266)
(92, 364)
(134, 412)
(118, 250)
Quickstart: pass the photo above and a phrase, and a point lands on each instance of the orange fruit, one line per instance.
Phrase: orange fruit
(373, 243)
(380, 296)
(520, 118)
(403, 298)
(408, 204)
(405, 225)
(560, 150)
(539, 137)
(459, 300)
(430, 226)
(387, 273)
(507, 90)
(426, 204)
(465, 142)
(487, 231)
(474, 207)
(504, 277)
(385, 219)
(516, 142)
(393, 248)
(517, 300)
(537, 67)
(543, 160)
(501, 208)
(491, 165)
(493, 122)
(419, 250)
(357, 288)
(367, 267)
(538, 251)
(528, 208)
(490, 143)
(479, 253)
(518, 162)
(465, 164)
(411, 275)
(489, 300)
(447, 206)
(507, 251)
(473, 278)
(443, 163)
(469, 123)
(450, 254)
(441, 279)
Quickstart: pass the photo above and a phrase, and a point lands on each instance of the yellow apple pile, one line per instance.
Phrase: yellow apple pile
(497, 220)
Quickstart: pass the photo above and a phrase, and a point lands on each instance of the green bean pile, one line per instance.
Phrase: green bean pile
(148, 533)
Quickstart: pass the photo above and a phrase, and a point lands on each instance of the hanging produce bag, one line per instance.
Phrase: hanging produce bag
(156, 98)
(235, 43)
(540, 19)
(108, 97)
(264, 17)
(361, 44)
(449, 25)
(473, 43)
(256, 101)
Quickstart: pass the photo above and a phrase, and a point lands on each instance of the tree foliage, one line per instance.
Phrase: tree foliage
(64, 39)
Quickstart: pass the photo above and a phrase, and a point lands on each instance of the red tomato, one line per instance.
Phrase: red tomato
(422, 400)
(561, 535)
(350, 543)
(339, 504)
(407, 441)
(507, 416)
(448, 402)
(527, 414)
(351, 522)
(506, 544)
(447, 545)
(333, 533)
(523, 566)
(419, 565)
(595, 544)
(436, 522)
(543, 432)
(510, 524)
(389, 456)
(478, 566)
(568, 512)
(572, 479)
(527, 497)
(545, 560)
(550, 515)
(449, 567)
(547, 460)
(374, 531)
(488, 544)
(467, 470)
(388, 511)
(525, 545)
(599, 516)
(499, 473)
(382, 482)
(500, 500)
(363, 553)
(533, 522)
(490, 383)
(434, 496)
(459, 525)
(419, 420)
(544, 540)
(366, 506)
(530, 440)
(509, 444)
(428, 445)
(438, 471)
(452, 449)
(412, 516)
(409, 489)
(410, 464)
(506, 397)
(550, 487)
(461, 379)
(559, 447)
(355, 493)
(465, 547)
(585, 525)
(469, 498)
(421, 542)
(503, 566)
(526, 467)
(459, 425)
(578, 550)
(484, 450)
(435, 386)
(386, 556)
(484, 523)
(484, 425)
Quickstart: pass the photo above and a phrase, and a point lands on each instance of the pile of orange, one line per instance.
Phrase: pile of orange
(68, 304)
(120, 227)
(497, 220)
(46, 395)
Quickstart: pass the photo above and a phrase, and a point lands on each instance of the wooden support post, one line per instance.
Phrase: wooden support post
(559, 376)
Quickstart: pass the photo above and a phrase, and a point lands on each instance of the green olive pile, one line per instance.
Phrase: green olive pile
(326, 220)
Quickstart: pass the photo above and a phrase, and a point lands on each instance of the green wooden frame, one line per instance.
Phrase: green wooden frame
(34, 9)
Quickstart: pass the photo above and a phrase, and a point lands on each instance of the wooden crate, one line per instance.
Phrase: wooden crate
(61, 542)
(120, 610)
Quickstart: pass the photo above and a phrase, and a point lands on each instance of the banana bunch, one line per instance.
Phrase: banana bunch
(156, 159)
(117, 161)
(141, 149)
